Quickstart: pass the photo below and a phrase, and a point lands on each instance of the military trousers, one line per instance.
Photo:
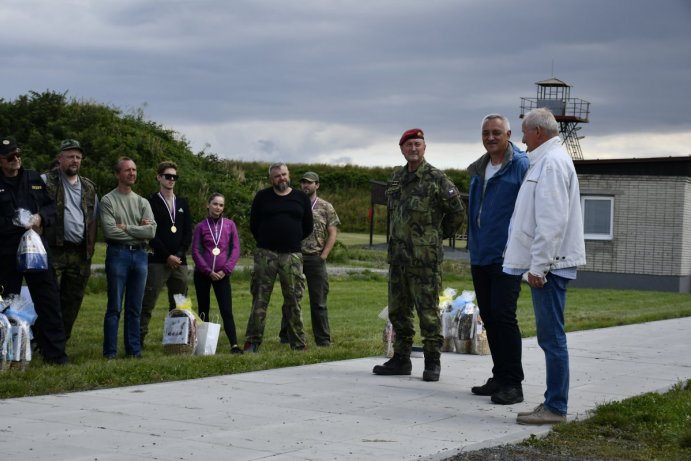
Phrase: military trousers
(411, 290)
(288, 267)
(314, 268)
(160, 274)
(72, 271)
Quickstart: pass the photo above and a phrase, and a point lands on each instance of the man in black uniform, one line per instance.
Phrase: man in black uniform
(20, 188)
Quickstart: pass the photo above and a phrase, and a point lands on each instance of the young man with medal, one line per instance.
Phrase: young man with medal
(215, 250)
(167, 263)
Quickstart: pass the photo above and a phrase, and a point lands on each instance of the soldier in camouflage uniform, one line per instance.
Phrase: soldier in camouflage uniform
(280, 218)
(425, 208)
(315, 251)
(73, 236)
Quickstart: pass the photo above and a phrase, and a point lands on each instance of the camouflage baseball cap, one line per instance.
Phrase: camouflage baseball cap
(70, 144)
(310, 176)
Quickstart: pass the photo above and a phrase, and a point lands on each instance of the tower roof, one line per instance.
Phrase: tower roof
(552, 82)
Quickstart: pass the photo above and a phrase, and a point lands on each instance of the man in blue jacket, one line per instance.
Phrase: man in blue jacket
(495, 180)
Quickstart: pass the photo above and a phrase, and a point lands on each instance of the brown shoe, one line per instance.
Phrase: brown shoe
(540, 415)
(526, 413)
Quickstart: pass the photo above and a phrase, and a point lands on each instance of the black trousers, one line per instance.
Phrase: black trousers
(49, 330)
(497, 294)
(224, 297)
(314, 268)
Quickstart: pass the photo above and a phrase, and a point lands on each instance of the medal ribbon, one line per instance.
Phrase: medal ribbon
(216, 237)
(171, 213)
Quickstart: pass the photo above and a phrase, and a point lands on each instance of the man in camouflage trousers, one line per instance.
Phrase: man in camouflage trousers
(425, 208)
(72, 238)
(280, 218)
(315, 251)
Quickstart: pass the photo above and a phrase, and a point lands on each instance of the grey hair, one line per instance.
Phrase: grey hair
(543, 118)
(276, 165)
(505, 120)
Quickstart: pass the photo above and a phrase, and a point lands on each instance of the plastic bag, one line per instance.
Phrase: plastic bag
(480, 345)
(184, 303)
(5, 341)
(467, 322)
(31, 254)
(20, 308)
(207, 338)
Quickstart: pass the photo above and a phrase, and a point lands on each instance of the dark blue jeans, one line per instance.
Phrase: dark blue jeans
(497, 294)
(549, 303)
(126, 271)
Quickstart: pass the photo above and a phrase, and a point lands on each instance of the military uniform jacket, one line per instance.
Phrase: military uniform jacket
(56, 234)
(28, 192)
(424, 208)
(324, 216)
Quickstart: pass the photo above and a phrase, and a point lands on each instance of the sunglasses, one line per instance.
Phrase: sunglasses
(13, 156)
(170, 177)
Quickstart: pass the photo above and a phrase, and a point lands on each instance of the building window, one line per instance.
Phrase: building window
(598, 217)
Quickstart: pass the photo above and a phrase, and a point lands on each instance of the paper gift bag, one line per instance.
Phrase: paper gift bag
(207, 338)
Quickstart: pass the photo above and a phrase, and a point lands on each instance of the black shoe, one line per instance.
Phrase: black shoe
(508, 395)
(62, 360)
(134, 356)
(283, 340)
(489, 388)
(398, 365)
(235, 349)
(251, 347)
(432, 370)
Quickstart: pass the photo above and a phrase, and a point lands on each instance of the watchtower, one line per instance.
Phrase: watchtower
(555, 95)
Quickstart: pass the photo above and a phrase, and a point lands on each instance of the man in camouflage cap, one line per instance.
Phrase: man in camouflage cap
(425, 208)
(315, 251)
(72, 238)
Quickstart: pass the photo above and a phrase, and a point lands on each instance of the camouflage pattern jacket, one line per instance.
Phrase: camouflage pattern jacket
(324, 216)
(55, 235)
(424, 208)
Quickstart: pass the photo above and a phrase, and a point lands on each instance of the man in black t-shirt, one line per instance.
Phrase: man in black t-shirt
(280, 219)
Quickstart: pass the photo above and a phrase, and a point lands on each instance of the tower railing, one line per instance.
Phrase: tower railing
(572, 108)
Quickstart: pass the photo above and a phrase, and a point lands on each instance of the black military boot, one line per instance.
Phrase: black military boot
(398, 365)
(432, 370)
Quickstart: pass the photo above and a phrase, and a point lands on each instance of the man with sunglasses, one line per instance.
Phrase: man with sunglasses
(22, 188)
(72, 238)
(167, 263)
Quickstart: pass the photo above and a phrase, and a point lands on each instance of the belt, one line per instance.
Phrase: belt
(128, 246)
(73, 245)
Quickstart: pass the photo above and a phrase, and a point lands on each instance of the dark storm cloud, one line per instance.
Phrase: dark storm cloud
(333, 79)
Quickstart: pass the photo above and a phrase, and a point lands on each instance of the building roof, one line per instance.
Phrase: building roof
(552, 82)
(653, 166)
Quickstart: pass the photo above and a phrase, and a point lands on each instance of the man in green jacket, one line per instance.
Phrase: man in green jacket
(73, 235)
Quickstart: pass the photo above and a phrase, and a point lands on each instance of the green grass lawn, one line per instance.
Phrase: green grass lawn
(354, 302)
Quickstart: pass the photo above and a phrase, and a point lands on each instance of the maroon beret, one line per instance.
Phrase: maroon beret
(413, 133)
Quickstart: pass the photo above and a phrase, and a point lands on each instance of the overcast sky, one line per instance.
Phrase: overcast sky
(337, 82)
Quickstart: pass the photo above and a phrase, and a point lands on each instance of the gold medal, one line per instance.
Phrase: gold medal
(173, 229)
(216, 251)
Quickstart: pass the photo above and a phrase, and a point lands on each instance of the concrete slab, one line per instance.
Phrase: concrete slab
(337, 410)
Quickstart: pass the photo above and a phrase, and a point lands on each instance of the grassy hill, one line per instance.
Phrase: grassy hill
(39, 121)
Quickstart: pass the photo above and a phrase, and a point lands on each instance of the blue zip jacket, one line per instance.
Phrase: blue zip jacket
(490, 213)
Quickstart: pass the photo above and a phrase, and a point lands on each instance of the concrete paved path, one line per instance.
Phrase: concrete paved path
(336, 410)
